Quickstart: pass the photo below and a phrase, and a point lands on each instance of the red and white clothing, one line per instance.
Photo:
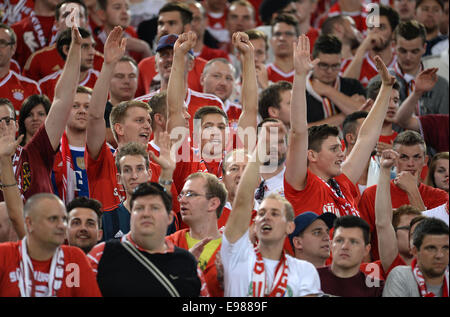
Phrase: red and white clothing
(13, 266)
(358, 16)
(33, 165)
(217, 26)
(312, 34)
(318, 196)
(149, 77)
(17, 88)
(432, 197)
(233, 111)
(368, 68)
(48, 83)
(209, 53)
(33, 33)
(239, 261)
(129, 32)
(15, 10)
(275, 74)
(47, 60)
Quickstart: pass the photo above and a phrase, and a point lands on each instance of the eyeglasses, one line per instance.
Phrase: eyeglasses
(285, 34)
(7, 120)
(188, 195)
(325, 66)
(402, 228)
(4, 43)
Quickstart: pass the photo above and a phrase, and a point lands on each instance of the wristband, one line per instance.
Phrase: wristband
(7, 185)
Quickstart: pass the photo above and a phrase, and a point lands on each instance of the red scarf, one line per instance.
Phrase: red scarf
(259, 283)
(65, 177)
(421, 281)
(342, 202)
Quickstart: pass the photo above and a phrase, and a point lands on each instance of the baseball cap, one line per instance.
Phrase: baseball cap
(168, 41)
(303, 220)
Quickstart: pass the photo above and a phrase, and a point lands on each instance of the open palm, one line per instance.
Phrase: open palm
(115, 46)
(302, 56)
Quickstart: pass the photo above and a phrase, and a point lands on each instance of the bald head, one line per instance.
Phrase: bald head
(35, 203)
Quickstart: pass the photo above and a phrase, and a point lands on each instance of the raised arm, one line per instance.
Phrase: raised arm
(424, 82)
(241, 213)
(296, 161)
(96, 131)
(65, 89)
(249, 87)
(11, 193)
(387, 245)
(176, 90)
(370, 130)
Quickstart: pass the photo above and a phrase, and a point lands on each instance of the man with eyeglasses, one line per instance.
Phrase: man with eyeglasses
(330, 97)
(406, 188)
(13, 86)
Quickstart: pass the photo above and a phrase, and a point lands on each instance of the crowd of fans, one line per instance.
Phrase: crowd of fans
(224, 148)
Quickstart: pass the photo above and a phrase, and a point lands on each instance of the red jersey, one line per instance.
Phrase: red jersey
(358, 16)
(375, 269)
(47, 60)
(217, 26)
(432, 197)
(10, 271)
(48, 83)
(103, 184)
(33, 165)
(275, 74)
(129, 32)
(15, 10)
(233, 111)
(368, 68)
(312, 34)
(33, 33)
(209, 53)
(317, 196)
(17, 88)
(147, 74)
(210, 272)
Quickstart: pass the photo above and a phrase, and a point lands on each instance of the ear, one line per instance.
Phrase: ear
(367, 250)
(414, 251)
(290, 227)
(99, 234)
(170, 218)
(350, 138)
(191, 64)
(273, 112)
(202, 80)
(28, 224)
(65, 50)
(312, 156)
(213, 204)
(298, 243)
(426, 159)
(118, 178)
(118, 128)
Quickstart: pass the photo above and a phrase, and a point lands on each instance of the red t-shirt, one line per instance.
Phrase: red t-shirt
(275, 74)
(432, 197)
(47, 60)
(375, 269)
(368, 68)
(359, 17)
(312, 34)
(33, 165)
(209, 53)
(17, 88)
(147, 71)
(210, 272)
(317, 197)
(10, 269)
(217, 26)
(33, 33)
(48, 83)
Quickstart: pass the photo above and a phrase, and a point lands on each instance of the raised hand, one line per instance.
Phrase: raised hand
(242, 43)
(76, 36)
(8, 142)
(166, 157)
(302, 56)
(388, 158)
(426, 80)
(115, 46)
(386, 78)
(185, 42)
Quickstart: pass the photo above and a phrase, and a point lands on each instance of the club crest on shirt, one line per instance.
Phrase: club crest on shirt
(18, 94)
(288, 293)
(26, 177)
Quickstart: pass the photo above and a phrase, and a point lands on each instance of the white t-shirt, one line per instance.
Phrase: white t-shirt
(439, 212)
(239, 260)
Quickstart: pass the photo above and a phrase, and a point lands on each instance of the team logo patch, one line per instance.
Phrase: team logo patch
(26, 176)
(18, 94)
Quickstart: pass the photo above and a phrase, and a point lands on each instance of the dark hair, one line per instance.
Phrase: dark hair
(86, 202)
(329, 23)
(353, 222)
(391, 15)
(404, 210)
(349, 125)
(152, 189)
(319, 133)
(374, 88)
(327, 44)
(65, 38)
(7, 103)
(29, 104)
(205, 110)
(414, 221)
(410, 30)
(287, 19)
(440, 2)
(428, 226)
(269, 7)
(429, 180)
(80, 2)
(185, 12)
(271, 97)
